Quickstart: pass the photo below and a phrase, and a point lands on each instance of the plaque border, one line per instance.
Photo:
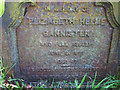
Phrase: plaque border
(111, 61)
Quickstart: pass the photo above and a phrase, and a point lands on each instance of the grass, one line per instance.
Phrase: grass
(4, 80)
(81, 81)
(2, 7)
(108, 82)
(112, 82)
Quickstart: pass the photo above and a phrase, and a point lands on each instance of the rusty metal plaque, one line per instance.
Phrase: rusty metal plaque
(63, 40)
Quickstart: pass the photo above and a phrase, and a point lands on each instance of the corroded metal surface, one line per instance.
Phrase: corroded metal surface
(60, 40)
(63, 40)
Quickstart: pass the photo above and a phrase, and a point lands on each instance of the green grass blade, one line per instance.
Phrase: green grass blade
(52, 84)
(17, 83)
(1, 63)
(37, 86)
(2, 7)
(108, 86)
(58, 85)
(98, 85)
(6, 67)
(1, 69)
(90, 78)
(72, 86)
(5, 70)
(93, 83)
(10, 69)
(110, 82)
(87, 86)
(76, 82)
(13, 80)
(42, 85)
(23, 85)
(82, 81)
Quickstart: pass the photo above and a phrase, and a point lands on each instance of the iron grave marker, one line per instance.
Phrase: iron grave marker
(64, 40)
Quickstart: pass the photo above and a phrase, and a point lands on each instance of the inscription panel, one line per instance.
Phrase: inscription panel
(63, 40)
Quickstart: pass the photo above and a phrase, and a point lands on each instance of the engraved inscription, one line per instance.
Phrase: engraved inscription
(64, 53)
(59, 33)
(56, 39)
(67, 9)
(64, 44)
(67, 21)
